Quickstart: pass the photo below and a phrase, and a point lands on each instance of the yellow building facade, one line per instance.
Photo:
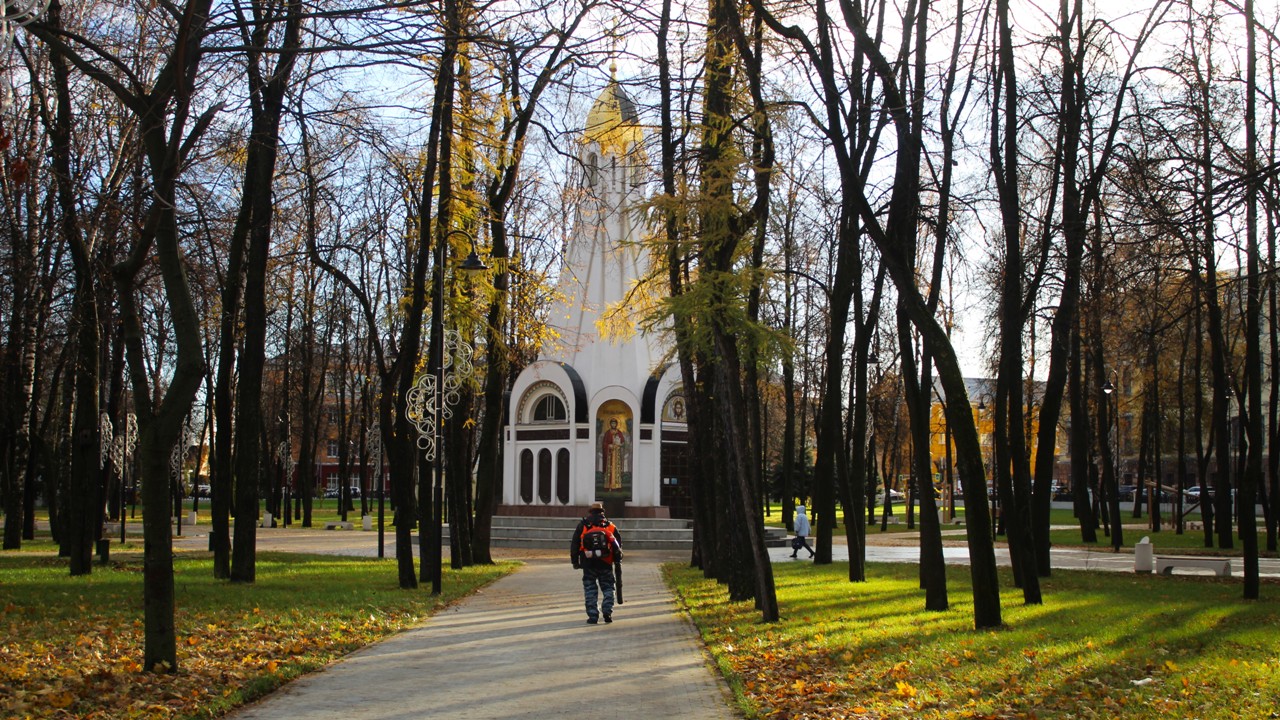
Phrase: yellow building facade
(981, 403)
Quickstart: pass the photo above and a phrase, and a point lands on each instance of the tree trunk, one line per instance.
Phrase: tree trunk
(83, 519)
(917, 383)
(1254, 371)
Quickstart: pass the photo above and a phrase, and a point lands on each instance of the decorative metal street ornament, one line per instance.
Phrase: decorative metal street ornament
(130, 435)
(105, 434)
(287, 463)
(118, 455)
(175, 461)
(420, 405)
(373, 440)
(424, 398)
(178, 457)
(13, 15)
(22, 12)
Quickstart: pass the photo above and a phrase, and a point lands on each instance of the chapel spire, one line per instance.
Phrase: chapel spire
(613, 122)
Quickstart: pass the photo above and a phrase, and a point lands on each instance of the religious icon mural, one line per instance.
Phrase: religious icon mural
(673, 409)
(613, 450)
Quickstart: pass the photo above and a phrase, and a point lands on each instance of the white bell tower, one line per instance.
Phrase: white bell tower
(583, 423)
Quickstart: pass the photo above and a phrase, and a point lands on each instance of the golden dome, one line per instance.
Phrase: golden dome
(613, 122)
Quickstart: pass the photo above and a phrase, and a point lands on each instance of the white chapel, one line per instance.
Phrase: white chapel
(599, 418)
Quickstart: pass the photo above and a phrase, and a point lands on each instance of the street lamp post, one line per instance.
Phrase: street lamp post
(430, 403)
(284, 453)
(105, 441)
(990, 463)
(118, 444)
(432, 394)
(129, 444)
(282, 457)
(1113, 492)
(373, 438)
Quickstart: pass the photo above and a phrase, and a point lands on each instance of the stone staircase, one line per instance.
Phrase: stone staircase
(555, 532)
(637, 533)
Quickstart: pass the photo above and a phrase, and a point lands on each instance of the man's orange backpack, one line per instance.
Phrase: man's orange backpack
(598, 541)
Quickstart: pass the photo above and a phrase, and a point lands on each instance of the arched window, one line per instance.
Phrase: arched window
(562, 476)
(543, 402)
(526, 477)
(544, 476)
(549, 408)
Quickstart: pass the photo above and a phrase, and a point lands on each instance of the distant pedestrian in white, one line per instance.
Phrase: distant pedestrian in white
(802, 529)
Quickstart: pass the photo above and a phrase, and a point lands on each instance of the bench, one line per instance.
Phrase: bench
(1220, 566)
(339, 525)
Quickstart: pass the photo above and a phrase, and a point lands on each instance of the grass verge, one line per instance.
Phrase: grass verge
(72, 647)
(1101, 646)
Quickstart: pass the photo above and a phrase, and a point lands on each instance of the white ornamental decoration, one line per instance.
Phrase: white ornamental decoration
(178, 456)
(13, 15)
(373, 440)
(105, 432)
(424, 397)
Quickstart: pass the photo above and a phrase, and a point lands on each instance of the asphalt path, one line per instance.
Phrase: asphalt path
(892, 547)
(520, 648)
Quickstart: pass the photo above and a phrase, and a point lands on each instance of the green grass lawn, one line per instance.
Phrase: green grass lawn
(1066, 531)
(1101, 646)
(72, 647)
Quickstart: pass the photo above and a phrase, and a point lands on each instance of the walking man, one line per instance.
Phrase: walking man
(596, 545)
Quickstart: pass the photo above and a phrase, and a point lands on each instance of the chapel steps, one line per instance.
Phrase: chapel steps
(637, 533)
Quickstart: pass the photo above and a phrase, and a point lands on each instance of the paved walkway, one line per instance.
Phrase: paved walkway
(521, 648)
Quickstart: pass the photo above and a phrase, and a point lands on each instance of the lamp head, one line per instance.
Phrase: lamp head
(473, 263)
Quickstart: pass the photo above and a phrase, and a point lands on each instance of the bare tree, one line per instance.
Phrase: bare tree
(894, 233)
(161, 104)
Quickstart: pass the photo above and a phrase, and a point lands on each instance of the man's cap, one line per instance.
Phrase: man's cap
(597, 506)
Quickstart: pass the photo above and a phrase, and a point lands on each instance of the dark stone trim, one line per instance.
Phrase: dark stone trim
(525, 435)
(649, 399)
(579, 394)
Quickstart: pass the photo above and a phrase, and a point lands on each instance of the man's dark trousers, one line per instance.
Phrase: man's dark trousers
(597, 579)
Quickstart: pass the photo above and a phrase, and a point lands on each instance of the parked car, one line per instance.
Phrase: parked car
(894, 496)
(1125, 492)
(1195, 491)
